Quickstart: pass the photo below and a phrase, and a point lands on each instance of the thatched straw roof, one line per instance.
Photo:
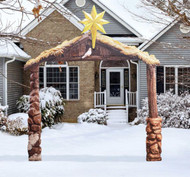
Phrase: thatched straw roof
(122, 48)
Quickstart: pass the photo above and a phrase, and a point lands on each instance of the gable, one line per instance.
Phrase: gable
(114, 28)
(172, 47)
(54, 28)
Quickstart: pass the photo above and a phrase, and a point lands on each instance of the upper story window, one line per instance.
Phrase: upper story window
(176, 78)
(62, 77)
(80, 3)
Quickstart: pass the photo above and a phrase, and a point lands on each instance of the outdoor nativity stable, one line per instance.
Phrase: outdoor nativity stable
(93, 46)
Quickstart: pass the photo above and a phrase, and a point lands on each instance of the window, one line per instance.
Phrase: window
(57, 79)
(160, 79)
(73, 83)
(80, 3)
(62, 77)
(176, 78)
(183, 79)
(170, 78)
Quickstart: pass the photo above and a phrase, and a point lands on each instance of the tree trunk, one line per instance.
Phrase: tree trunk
(34, 120)
(154, 123)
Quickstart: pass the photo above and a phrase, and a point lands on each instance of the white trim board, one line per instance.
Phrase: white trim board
(146, 44)
(112, 14)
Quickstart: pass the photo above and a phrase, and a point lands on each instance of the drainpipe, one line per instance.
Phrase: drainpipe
(100, 75)
(137, 82)
(5, 88)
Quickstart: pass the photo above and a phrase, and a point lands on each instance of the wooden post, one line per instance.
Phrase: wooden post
(34, 120)
(154, 123)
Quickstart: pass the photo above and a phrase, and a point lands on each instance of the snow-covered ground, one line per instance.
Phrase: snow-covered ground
(90, 150)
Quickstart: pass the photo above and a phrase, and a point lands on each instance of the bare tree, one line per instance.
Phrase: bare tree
(172, 8)
(23, 11)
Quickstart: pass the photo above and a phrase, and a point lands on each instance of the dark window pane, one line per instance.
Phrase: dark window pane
(57, 79)
(126, 79)
(73, 74)
(103, 79)
(170, 87)
(170, 78)
(183, 80)
(41, 77)
(73, 82)
(73, 91)
(114, 84)
(160, 79)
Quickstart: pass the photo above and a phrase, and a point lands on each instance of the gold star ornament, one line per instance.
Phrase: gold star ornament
(94, 22)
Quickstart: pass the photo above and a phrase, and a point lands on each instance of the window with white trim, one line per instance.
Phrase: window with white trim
(170, 77)
(62, 77)
(176, 78)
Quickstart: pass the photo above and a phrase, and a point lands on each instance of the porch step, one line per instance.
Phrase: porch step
(115, 107)
(117, 117)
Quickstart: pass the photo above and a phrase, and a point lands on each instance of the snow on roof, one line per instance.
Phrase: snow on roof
(121, 8)
(131, 11)
(9, 50)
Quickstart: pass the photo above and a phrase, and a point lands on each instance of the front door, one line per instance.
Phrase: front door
(114, 87)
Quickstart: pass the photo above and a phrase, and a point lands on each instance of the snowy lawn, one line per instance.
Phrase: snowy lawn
(89, 150)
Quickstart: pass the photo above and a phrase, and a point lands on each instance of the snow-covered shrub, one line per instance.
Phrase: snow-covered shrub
(23, 103)
(173, 109)
(17, 124)
(94, 116)
(3, 118)
(51, 105)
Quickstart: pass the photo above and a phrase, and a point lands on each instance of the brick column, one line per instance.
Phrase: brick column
(34, 120)
(154, 123)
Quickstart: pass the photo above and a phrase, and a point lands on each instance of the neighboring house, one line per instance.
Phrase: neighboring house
(12, 60)
(81, 82)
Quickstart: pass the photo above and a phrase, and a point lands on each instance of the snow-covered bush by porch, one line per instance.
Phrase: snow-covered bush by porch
(174, 110)
(93, 116)
(15, 124)
(51, 105)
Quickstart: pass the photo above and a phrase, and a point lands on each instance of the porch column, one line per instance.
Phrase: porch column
(34, 120)
(154, 123)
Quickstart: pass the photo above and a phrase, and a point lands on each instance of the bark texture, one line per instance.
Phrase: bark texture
(154, 123)
(34, 120)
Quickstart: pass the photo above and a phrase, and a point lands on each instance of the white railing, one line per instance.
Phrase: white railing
(100, 99)
(131, 98)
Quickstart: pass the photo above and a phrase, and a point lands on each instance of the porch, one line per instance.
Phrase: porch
(131, 101)
(118, 87)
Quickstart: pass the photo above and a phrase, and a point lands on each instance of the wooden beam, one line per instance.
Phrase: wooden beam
(154, 123)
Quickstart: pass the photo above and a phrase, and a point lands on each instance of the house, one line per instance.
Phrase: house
(106, 84)
(12, 60)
